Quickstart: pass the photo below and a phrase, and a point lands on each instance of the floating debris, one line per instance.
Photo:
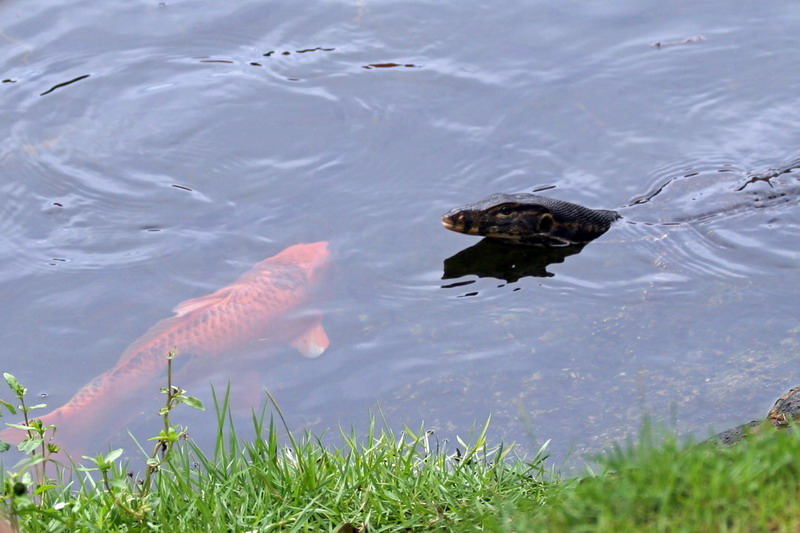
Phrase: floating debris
(388, 65)
(54, 87)
(304, 51)
(690, 40)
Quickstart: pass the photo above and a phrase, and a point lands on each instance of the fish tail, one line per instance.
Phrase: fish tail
(95, 408)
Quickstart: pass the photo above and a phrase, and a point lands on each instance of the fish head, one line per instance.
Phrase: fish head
(313, 258)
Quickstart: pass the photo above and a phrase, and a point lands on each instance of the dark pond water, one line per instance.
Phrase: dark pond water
(152, 152)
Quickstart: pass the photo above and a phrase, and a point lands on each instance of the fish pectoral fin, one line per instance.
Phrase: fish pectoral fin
(313, 342)
(195, 304)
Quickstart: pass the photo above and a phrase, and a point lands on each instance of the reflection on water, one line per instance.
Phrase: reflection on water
(495, 259)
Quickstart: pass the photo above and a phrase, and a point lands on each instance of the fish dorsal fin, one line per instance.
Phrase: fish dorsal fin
(204, 302)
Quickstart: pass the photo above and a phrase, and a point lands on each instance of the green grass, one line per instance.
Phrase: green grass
(661, 485)
(409, 481)
(382, 481)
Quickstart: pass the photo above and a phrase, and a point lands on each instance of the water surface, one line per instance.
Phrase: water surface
(152, 152)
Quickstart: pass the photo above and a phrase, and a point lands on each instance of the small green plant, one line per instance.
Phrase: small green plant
(126, 493)
(39, 451)
(170, 435)
(129, 497)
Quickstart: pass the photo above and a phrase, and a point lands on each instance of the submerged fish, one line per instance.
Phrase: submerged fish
(258, 307)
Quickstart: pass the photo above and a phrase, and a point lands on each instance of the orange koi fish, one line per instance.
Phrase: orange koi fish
(255, 308)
